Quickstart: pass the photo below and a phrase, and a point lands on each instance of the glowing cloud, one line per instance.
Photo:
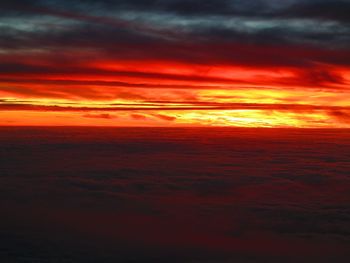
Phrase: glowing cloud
(229, 63)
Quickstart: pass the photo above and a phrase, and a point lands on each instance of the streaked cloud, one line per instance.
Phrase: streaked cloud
(132, 52)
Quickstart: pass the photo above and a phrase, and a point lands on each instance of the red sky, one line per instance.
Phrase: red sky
(143, 63)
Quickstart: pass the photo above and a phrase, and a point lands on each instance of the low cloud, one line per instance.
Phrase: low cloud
(340, 116)
(138, 117)
(164, 117)
(100, 116)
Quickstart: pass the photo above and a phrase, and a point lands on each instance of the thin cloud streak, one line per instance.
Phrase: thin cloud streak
(170, 106)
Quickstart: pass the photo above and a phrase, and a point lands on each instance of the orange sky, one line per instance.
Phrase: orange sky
(71, 67)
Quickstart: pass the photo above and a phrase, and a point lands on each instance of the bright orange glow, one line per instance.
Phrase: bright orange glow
(106, 92)
(159, 94)
(117, 64)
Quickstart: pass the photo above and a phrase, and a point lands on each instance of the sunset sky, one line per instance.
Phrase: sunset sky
(250, 63)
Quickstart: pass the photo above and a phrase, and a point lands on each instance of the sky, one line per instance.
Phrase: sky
(250, 63)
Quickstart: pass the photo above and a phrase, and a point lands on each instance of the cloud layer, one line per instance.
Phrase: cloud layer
(174, 195)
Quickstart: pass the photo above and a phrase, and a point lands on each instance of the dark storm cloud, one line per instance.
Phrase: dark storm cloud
(113, 36)
(337, 10)
(183, 7)
(108, 27)
(17, 7)
(263, 9)
(320, 9)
